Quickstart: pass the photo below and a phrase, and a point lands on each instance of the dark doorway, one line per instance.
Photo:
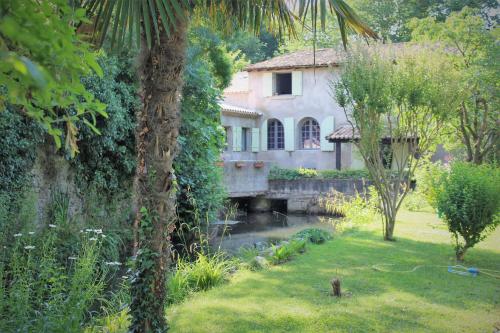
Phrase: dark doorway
(283, 84)
(279, 205)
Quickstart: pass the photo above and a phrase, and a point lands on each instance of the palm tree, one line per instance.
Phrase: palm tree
(160, 29)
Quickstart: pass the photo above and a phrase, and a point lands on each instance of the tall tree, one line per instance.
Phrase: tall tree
(473, 49)
(396, 107)
(389, 18)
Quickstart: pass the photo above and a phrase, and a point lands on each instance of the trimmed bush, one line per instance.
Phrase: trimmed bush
(468, 199)
(277, 173)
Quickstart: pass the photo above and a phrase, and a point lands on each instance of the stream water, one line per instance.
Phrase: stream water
(253, 228)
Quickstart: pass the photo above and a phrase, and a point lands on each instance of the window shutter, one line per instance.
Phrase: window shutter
(236, 138)
(297, 83)
(289, 127)
(255, 140)
(263, 136)
(327, 127)
(268, 84)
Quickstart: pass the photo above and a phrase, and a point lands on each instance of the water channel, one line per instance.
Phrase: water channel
(249, 229)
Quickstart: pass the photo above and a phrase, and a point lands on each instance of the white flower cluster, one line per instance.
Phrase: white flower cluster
(96, 232)
(113, 263)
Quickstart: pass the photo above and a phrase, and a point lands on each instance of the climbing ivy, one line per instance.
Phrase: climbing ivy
(20, 136)
(107, 161)
(143, 291)
(201, 138)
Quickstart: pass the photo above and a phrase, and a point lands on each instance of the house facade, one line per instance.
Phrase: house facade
(280, 112)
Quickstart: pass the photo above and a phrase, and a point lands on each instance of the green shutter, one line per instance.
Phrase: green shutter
(267, 85)
(236, 138)
(327, 128)
(289, 127)
(297, 83)
(255, 139)
(263, 136)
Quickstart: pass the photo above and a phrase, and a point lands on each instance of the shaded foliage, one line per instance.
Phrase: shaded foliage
(41, 63)
(18, 142)
(107, 161)
(201, 137)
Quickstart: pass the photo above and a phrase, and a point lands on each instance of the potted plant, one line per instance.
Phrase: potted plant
(219, 163)
(258, 164)
(239, 164)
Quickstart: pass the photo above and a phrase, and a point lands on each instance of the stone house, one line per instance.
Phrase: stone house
(280, 112)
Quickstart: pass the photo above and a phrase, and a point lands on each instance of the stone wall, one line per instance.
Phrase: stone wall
(245, 178)
(303, 194)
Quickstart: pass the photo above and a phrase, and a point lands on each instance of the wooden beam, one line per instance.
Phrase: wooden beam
(338, 155)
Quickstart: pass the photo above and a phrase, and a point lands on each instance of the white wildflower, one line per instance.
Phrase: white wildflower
(93, 239)
(124, 277)
(31, 233)
(29, 247)
(18, 235)
(52, 225)
(72, 258)
(113, 263)
(98, 231)
(81, 231)
(88, 230)
(103, 236)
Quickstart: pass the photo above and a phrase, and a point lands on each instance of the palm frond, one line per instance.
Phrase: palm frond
(119, 18)
(131, 17)
(347, 18)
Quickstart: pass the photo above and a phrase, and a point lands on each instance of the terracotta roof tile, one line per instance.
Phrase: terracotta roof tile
(329, 57)
(300, 59)
(232, 109)
(343, 133)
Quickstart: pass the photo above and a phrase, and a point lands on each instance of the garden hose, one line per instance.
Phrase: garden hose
(457, 269)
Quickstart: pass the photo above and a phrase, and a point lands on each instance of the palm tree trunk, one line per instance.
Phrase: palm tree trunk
(154, 189)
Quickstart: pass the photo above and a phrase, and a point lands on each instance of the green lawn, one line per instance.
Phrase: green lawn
(294, 297)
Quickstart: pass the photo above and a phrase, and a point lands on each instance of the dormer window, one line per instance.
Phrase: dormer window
(282, 83)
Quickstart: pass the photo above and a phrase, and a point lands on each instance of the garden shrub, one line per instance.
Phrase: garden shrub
(468, 199)
(207, 271)
(277, 173)
(285, 251)
(313, 235)
(358, 209)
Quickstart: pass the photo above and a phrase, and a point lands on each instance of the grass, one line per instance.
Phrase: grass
(294, 297)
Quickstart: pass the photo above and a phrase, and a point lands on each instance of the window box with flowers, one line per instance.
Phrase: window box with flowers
(258, 164)
(239, 164)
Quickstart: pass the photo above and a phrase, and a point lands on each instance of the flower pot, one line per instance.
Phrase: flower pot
(239, 164)
(258, 165)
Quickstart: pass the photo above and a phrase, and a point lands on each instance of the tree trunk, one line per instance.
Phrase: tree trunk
(390, 222)
(156, 139)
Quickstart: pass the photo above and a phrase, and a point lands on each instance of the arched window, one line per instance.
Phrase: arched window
(275, 135)
(309, 134)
